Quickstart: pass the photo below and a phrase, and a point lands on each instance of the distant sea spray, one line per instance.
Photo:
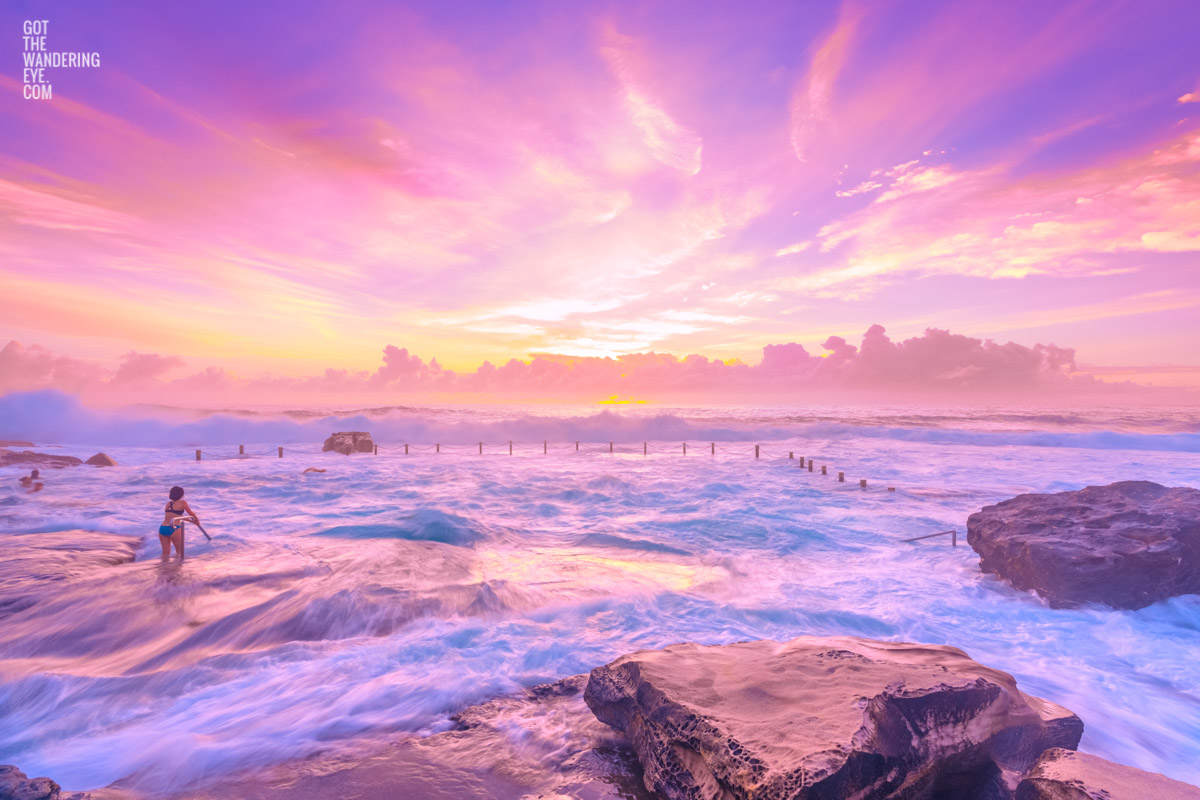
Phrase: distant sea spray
(51, 416)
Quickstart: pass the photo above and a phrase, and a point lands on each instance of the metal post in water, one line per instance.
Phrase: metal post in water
(862, 483)
(954, 538)
(714, 447)
(510, 447)
(576, 447)
(197, 455)
(756, 451)
(545, 445)
(439, 447)
(481, 448)
(810, 465)
(841, 477)
(643, 448)
(685, 448)
(823, 470)
(241, 449)
(405, 449)
(281, 451)
(791, 456)
(376, 449)
(610, 447)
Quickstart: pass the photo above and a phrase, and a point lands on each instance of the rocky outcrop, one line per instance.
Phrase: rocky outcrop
(349, 442)
(14, 785)
(1127, 545)
(101, 460)
(10, 458)
(825, 717)
(1067, 775)
(15, 443)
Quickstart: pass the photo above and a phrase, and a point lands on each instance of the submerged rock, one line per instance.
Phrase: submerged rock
(825, 717)
(9, 458)
(1067, 775)
(349, 442)
(14, 785)
(1127, 545)
(101, 460)
(540, 743)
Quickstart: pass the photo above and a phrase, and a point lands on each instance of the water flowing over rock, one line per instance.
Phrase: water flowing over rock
(14, 785)
(825, 717)
(1067, 775)
(348, 442)
(11, 458)
(1128, 544)
(101, 460)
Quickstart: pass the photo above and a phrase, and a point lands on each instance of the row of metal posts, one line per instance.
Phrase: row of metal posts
(645, 451)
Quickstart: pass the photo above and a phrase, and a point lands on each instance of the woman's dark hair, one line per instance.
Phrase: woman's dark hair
(176, 492)
(33, 474)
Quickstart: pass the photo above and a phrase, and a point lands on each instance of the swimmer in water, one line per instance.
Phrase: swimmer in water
(171, 531)
(31, 482)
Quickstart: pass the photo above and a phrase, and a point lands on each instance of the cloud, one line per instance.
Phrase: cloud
(144, 366)
(791, 249)
(938, 364)
(670, 143)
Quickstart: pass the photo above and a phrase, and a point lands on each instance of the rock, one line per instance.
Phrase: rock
(101, 460)
(350, 442)
(540, 743)
(15, 443)
(825, 717)
(9, 458)
(14, 785)
(1128, 544)
(1067, 775)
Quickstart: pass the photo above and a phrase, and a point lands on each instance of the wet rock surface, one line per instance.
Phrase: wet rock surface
(101, 460)
(825, 717)
(539, 743)
(15, 785)
(348, 442)
(1067, 775)
(1127, 545)
(30, 558)
(10, 458)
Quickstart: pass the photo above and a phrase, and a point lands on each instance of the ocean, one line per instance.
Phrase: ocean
(334, 610)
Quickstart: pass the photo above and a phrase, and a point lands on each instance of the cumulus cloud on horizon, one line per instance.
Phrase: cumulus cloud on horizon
(936, 365)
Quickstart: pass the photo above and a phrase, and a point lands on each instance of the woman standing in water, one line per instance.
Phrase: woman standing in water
(171, 530)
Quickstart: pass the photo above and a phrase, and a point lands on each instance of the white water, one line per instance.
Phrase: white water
(380, 597)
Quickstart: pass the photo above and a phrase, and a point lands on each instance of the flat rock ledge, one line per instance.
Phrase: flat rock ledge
(1067, 775)
(10, 458)
(348, 442)
(825, 717)
(1126, 545)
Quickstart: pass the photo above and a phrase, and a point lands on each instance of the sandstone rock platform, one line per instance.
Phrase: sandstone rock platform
(825, 717)
(1127, 545)
(1067, 775)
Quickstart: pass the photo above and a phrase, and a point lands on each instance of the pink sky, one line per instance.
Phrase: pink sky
(244, 199)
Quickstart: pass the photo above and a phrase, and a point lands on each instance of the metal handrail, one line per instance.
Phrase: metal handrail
(953, 537)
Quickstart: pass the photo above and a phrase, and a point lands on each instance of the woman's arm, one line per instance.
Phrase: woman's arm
(188, 509)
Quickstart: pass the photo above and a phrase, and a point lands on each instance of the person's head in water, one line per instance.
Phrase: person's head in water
(34, 474)
(176, 493)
